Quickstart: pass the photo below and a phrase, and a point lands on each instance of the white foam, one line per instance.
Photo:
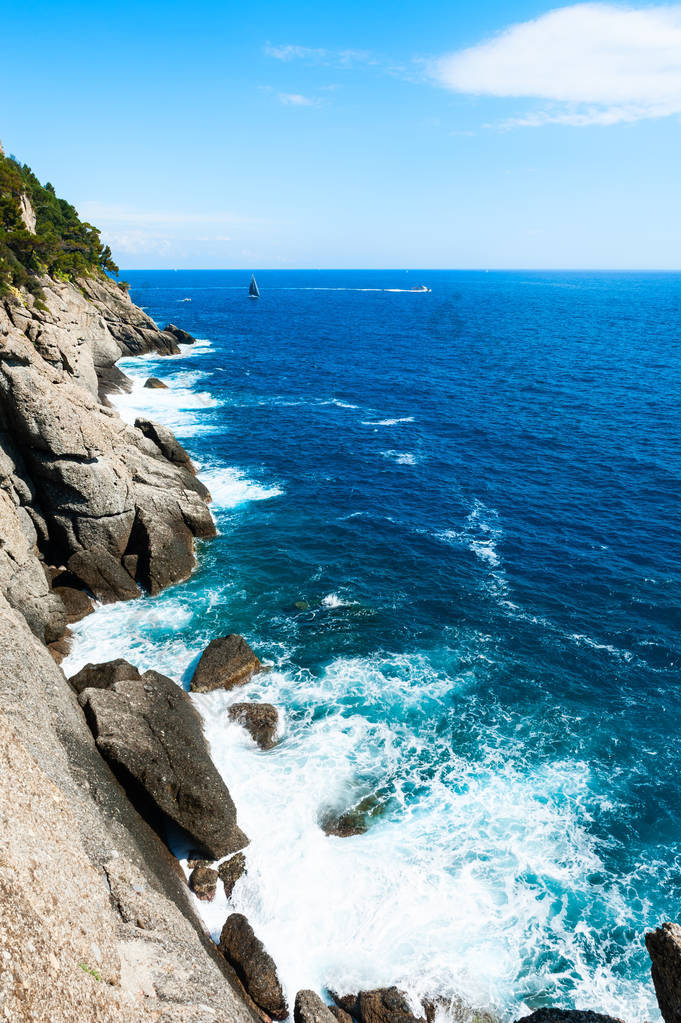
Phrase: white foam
(388, 422)
(229, 487)
(332, 600)
(400, 457)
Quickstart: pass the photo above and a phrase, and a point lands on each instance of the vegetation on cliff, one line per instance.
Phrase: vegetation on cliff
(59, 244)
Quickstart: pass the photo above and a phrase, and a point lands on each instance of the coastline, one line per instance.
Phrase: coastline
(217, 909)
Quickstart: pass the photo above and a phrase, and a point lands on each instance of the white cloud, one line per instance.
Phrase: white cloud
(594, 63)
(319, 55)
(295, 99)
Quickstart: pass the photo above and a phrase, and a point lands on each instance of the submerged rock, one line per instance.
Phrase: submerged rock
(227, 662)
(203, 881)
(309, 1008)
(551, 1015)
(104, 675)
(664, 949)
(354, 821)
(151, 735)
(155, 384)
(260, 719)
(254, 965)
(231, 870)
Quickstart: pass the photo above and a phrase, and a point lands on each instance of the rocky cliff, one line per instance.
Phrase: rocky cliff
(88, 504)
(96, 921)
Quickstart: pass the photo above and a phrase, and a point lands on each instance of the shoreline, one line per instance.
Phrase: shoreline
(167, 440)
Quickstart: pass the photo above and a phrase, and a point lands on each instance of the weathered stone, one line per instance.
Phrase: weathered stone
(182, 337)
(227, 662)
(231, 870)
(203, 881)
(150, 733)
(165, 441)
(664, 949)
(309, 1008)
(340, 1014)
(260, 719)
(347, 1003)
(253, 964)
(76, 603)
(103, 575)
(552, 1015)
(164, 550)
(104, 675)
(155, 384)
(385, 1005)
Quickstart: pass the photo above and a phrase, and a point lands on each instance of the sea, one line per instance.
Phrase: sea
(451, 523)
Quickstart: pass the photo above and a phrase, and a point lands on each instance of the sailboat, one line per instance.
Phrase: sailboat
(253, 288)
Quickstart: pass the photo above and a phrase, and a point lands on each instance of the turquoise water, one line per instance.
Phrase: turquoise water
(476, 492)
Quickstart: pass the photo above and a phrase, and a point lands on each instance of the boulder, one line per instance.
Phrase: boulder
(340, 1014)
(104, 675)
(552, 1015)
(103, 575)
(76, 602)
(253, 965)
(155, 384)
(149, 732)
(231, 870)
(309, 1008)
(385, 1005)
(348, 1004)
(664, 949)
(165, 441)
(181, 337)
(260, 719)
(164, 549)
(203, 881)
(355, 820)
(227, 662)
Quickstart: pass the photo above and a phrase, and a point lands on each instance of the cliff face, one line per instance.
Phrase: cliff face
(95, 918)
(87, 502)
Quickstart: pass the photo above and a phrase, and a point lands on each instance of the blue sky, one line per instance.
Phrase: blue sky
(431, 134)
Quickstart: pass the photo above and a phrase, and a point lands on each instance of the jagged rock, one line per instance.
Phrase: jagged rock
(347, 1003)
(354, 821)
(340, 1014)
(155, 384)
(203, 881)
(103, 575)
(182, 337)
(260, 719)
(664, 949)
(227, 662)
(385, 1005)
(231, 870)
(253, 964)
(551, 1015)
(309, 1008)
(150, 733)
(165, 441)
(76, 603)
(103, 675)
(164, 549)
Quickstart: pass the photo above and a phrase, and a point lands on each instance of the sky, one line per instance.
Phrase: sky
(500, 134)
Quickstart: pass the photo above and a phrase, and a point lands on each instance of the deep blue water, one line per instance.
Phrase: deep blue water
(476, 493)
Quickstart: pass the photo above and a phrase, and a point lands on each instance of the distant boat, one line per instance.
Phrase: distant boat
(253, 291)
(420, 287)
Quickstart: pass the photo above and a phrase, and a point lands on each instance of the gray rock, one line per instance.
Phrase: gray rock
(165, 441)
(76, 603)
(153, 383)
(552, 1015)
(203, 881)
(104, 675)
(231, 870)
(150, 733)
(103, 575)
(253, 965)
(259, 719)
(226, 662)
(664, 949)
(309, 1008)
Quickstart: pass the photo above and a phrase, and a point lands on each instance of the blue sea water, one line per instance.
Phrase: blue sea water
(475, 493)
